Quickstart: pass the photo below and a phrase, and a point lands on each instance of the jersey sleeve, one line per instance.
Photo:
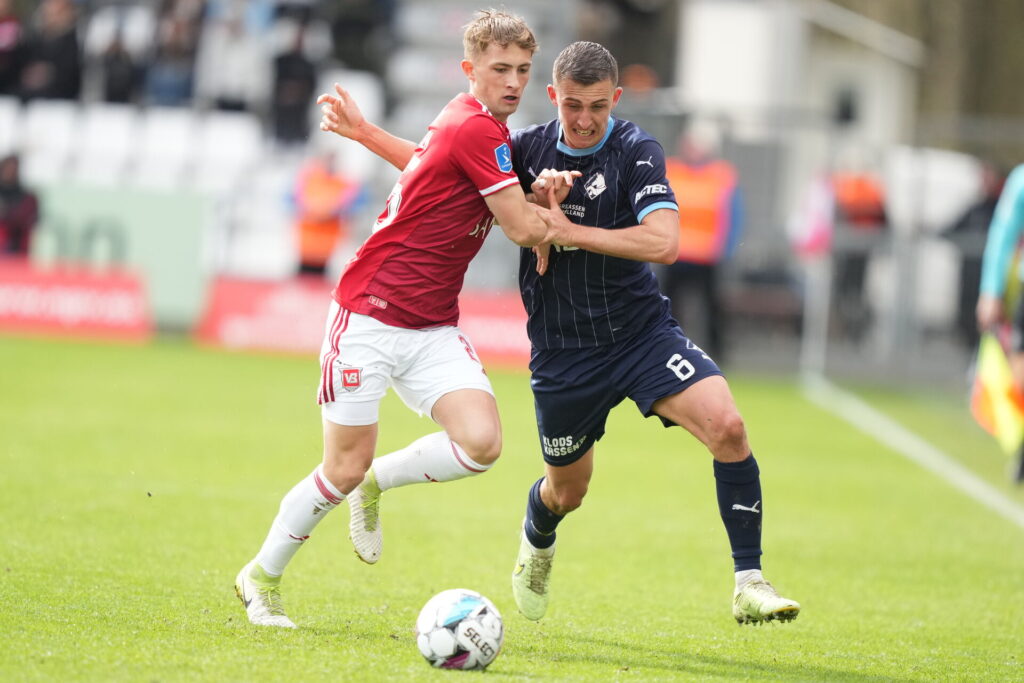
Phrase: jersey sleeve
(646, 180)
(483, 153)
(518, 164)
(1003, 235)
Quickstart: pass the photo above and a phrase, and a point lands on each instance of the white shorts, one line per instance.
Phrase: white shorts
(361, 356)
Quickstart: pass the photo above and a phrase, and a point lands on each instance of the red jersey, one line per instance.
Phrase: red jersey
(409, 272)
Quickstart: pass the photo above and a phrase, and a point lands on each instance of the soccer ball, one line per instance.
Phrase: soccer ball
(459, 629)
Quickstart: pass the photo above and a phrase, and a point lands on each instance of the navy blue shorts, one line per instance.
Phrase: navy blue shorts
(575, 389)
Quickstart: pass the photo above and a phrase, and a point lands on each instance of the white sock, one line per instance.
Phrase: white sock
(301, 509)
(747, 575)
(434, 457)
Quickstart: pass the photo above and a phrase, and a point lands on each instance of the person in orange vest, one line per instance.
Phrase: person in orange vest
(325, 201)
(710, 216)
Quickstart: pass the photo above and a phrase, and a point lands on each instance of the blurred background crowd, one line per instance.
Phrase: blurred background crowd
(840, 159)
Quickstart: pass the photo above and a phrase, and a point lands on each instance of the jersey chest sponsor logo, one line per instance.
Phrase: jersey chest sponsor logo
(649, 190)
(503, 155)
(595, 185)
(351, 378)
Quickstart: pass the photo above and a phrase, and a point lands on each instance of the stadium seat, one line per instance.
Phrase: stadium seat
(255, 237)
(108, 137)
(166, 147)
(10, 124)
(49, 139)
(230, 144)
(136, 25)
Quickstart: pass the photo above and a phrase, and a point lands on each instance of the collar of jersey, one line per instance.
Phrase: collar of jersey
(573, 152)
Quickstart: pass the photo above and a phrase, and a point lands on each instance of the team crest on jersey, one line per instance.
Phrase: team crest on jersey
(503, 155)
(351, 378)
(595, 185)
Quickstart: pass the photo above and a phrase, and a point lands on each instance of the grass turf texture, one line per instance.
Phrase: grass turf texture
(137, 480)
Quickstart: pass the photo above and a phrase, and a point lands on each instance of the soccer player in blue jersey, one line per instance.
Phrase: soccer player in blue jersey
(601, 331)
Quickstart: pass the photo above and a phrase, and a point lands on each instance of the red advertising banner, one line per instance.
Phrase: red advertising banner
(73, 302)
(289, 316)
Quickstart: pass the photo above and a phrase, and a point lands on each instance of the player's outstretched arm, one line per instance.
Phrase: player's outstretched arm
(519, 220)
(655, 239)
(341, 115)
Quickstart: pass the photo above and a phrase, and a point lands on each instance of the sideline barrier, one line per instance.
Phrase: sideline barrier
(73, 302)
(289, 316)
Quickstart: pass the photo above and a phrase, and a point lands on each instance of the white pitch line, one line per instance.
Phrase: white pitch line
(897, 437)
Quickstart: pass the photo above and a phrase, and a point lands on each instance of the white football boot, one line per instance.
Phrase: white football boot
(530, 579)
(757, 601)
(261, 596)
(364, 527)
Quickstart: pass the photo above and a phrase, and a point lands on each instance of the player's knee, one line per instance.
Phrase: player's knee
(344, 476)
(727, 431)
(568, 498)
(483, 445)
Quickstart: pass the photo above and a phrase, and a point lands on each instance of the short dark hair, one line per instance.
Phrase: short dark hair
(585, 63)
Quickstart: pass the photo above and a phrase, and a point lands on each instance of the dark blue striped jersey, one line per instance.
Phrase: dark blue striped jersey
(587, 299)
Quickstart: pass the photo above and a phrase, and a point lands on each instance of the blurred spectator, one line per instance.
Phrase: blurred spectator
(169, 78)
(325, 200)
(363, 33)
(11, 48)
(294, 88)
(710, 215)
(53, 64)
(19, 210)
(860, 211)
(968, 233)
(233, 66)
(121, 75)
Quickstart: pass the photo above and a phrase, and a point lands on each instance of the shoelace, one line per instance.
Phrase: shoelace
(370, 510)
(271, 598)
(540, 568)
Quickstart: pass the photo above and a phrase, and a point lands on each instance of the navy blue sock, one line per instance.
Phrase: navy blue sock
(540, 521)
(739, 502)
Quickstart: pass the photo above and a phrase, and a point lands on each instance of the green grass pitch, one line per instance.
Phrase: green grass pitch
(137, 480)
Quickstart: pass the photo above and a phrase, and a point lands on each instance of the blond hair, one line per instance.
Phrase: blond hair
(498, 27)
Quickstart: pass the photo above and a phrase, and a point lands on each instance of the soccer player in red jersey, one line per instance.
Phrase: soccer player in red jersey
(393, 318)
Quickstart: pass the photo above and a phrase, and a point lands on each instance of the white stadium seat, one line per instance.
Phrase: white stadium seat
(166, 147)
(10, 125)
(49, 139)
(229, 145)
(107, 142)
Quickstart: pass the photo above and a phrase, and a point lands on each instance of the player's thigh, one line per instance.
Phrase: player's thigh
(708, 411)
(572, 395)
(659, 363)
(436, 362)
(357, 358)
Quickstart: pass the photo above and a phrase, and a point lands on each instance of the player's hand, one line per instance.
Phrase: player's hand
(989, 312)
(340, 114)
(541, 251)
(560, 228)
(559, 181)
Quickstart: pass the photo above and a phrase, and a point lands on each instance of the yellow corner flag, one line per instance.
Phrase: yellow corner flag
(996, 402)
